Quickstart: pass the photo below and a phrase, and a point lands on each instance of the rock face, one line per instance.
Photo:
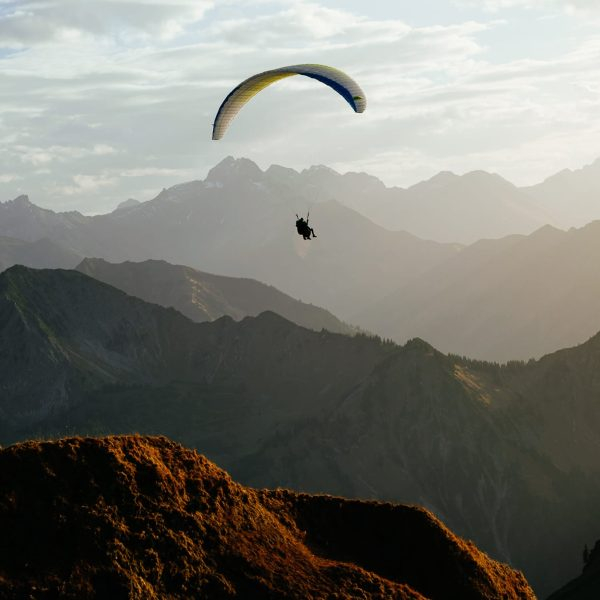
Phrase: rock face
(206, 297)
(135, 517)
(587, 585)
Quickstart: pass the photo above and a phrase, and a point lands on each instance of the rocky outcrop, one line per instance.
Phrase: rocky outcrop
(135, 517)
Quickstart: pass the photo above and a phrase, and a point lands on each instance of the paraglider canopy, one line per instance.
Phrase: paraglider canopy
(337, 80)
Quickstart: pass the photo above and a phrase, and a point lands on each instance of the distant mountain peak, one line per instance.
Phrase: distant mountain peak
(231, 169)
(321, 169)
(438, 180)
(129, 203)
(483, 176)
(443, 176)
(547, 230)
(320, 173)
(280, 172)
(22, 200)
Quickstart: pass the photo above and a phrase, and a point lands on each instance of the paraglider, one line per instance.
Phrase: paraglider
(337, 80)
(303, 228)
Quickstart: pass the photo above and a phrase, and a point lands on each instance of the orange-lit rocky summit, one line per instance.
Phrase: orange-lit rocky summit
(142, 517)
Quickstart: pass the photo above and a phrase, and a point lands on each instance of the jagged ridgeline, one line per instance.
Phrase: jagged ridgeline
(146, 518)
(484, 447)
(500, 298)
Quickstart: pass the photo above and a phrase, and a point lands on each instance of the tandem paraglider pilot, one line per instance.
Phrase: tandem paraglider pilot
(303, 228)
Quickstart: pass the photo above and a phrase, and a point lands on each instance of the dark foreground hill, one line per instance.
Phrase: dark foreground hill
(507, 456)
(206, 297)
(135, 517)
(587, 585)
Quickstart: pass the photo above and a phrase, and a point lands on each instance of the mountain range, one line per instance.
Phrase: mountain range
(456, 208)
(146, 518)
(445, 208)
(206, 297)
(238, 222)
(570, 196)
(506, 455)
(513, 298)
(516, 297)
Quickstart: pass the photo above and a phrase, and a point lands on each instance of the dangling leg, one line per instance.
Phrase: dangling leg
(313, 232)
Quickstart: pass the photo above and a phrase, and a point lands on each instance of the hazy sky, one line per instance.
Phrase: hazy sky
(101, 100)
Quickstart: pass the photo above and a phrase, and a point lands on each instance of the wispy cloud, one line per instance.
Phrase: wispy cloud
(31, 22)
(569, 6)
(9, 177)
(106, 100)
(83, 184)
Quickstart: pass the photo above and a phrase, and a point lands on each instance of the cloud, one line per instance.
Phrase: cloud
(574, 7)
(31, 22)
(8, 177)
(40, 156)
(110, 99)
(154, 171)
(85, 184)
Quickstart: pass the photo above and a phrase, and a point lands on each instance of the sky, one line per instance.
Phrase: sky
(105, 100)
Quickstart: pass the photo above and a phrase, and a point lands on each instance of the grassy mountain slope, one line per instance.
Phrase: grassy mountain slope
(145, 517)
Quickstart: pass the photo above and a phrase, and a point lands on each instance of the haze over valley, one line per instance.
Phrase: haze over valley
(513, 297)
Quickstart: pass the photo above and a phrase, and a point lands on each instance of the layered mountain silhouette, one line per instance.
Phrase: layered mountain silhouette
(239, 222)
(145, 517)
(489, 449)
(587, 585)
(498, 299)
(206, 297)
(447, 207)
(458, 208)
(571, 197)
(513, 298)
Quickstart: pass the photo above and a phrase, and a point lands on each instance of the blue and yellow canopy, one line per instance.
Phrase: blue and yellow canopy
(338, 80)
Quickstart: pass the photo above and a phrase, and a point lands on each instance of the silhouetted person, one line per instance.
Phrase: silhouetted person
(304, 229)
